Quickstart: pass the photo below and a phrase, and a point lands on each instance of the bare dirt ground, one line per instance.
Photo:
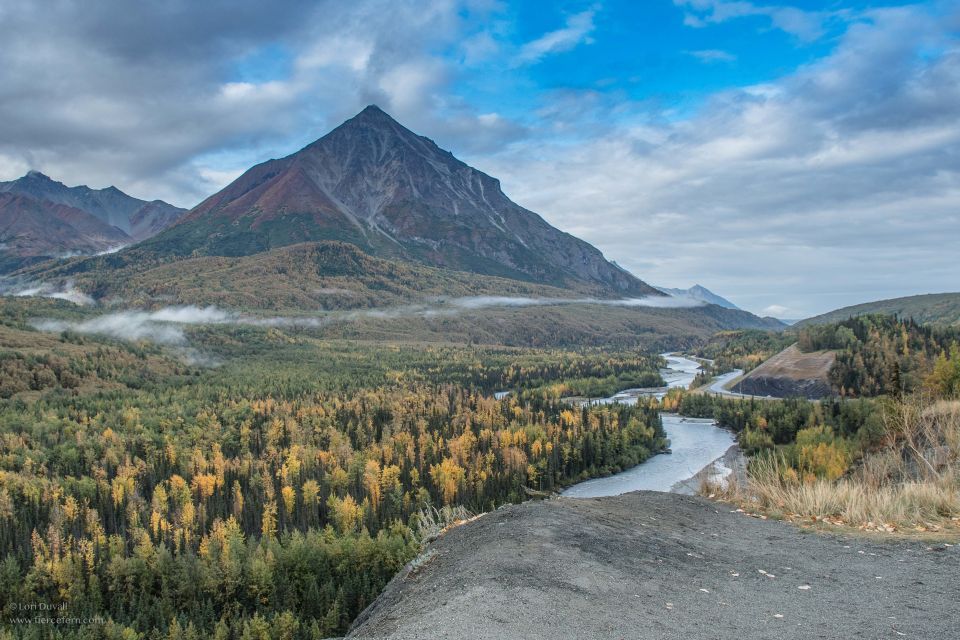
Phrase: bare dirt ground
(790, 372)
(793, 363)
(658, 565)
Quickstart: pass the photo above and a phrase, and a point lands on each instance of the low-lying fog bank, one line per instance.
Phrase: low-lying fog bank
(165, 325)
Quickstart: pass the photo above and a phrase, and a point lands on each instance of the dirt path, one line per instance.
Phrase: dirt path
(657, 565)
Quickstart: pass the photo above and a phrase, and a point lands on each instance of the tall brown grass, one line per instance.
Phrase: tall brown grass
(912, 482)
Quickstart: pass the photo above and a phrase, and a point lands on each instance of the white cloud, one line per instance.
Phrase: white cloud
(162, 326)
(659, 302)
(576, 31)
(775, 310)
(713, 55)
(66, 291)
(149, 99)
(805, 25)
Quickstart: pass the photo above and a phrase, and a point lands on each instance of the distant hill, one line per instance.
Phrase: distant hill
(138, 219)
(375, 298)
(376, 184)
(934, 308)
(32, 229)
(700, 293)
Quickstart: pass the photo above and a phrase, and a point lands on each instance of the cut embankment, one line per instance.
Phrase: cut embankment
(790, 373)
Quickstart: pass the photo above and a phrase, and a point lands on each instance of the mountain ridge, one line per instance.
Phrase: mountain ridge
(137, 218)
(700, 293)
(929, 308)
(32, 229)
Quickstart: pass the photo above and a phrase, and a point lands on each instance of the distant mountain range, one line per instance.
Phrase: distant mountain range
(373, 215)
(932, 308)
(33, 229)
(42, 218)
(700, 293)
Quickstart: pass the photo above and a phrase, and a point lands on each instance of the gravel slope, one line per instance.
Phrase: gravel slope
(659, 565)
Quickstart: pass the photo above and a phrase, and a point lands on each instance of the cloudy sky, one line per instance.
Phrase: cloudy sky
(792, 156)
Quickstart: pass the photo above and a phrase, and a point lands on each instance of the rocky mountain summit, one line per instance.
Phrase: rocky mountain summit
(376, 184)
(701, 294)
(32, 229)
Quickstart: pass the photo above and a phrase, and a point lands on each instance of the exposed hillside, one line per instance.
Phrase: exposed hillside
(32, 229)
(743, 349)
(137, 218)
(931, 308)
(376, 184)
(790, 373)
(701, 293)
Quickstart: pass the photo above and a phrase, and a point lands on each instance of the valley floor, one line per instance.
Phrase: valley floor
(659, 565)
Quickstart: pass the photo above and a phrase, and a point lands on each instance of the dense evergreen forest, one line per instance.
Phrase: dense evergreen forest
(274, 495)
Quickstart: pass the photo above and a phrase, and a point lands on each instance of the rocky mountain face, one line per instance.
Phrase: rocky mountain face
(32, 229)
(700, 293)
(373, 183)
(138, 219)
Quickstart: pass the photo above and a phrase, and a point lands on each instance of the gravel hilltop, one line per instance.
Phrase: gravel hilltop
(659, 565)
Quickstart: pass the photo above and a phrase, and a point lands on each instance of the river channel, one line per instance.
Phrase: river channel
(695, 443)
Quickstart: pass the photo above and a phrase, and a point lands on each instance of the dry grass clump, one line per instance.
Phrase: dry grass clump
(433, 522)
(911, 484)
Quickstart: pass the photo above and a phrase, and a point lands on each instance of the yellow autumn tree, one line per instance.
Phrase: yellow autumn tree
(447, 476)
(346, 514)
(289, 499)
(268, 527)
(371, 481)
